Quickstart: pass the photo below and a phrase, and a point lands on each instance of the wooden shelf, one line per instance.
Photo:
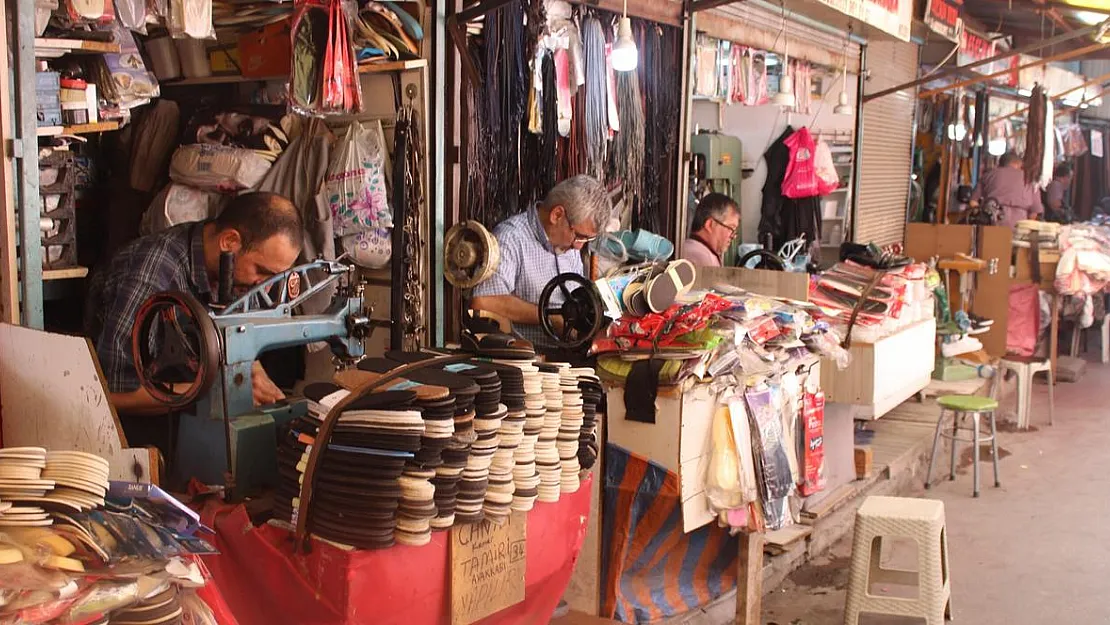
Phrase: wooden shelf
(65, 274)
(79, 129)
(49, 47)
(375, 68)
(391, 66)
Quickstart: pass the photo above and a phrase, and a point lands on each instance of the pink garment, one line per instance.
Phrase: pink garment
(1024, 322)
(1007, 185)
(698, 253)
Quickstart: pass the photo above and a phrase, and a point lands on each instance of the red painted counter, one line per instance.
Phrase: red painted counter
(265, 583)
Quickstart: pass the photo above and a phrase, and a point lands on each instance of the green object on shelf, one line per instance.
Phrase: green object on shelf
(967, 403)
(948, 370)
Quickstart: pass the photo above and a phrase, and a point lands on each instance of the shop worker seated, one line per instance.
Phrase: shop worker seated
(538, 244)
(715, 225)
(1006, 184)
(262, 230)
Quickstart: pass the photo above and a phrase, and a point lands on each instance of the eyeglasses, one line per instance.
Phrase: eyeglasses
(578, 236)
(731, 229)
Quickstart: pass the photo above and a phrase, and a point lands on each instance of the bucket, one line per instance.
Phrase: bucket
(194, 58)
(163, 58)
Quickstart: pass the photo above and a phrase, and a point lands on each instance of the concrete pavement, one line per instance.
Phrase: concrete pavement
(1031, 552)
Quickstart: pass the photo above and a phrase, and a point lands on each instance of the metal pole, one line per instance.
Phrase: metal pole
(848, 230)
(1036, 45)
(1101, 79)
(25, 147)
(1058, 57)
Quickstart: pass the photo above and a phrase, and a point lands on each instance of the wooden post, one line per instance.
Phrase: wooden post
(749, 579)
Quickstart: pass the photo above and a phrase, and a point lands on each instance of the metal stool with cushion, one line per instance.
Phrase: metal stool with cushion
(964, 408)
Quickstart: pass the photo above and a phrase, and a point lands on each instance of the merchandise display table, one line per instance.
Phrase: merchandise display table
(265, 582)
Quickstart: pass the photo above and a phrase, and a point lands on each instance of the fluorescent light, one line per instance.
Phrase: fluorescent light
(1025, 92)
(1084, 106)
(1089, 17)
(996, 147)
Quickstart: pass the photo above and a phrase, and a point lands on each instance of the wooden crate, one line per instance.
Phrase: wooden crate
(885, 373)
(762, 281)
(678, 441)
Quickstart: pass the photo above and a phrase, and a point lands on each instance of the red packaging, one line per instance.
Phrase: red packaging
(763, 331)
(813, 411)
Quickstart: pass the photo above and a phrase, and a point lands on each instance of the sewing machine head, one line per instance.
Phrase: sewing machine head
(198, 360)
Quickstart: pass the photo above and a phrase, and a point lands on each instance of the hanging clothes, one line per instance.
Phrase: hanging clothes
(781, 218)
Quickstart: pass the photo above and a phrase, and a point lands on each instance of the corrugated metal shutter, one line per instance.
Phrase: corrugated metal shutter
(886, 149)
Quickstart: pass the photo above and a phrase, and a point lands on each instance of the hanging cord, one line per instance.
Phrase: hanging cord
(628, 147)
(597, 85)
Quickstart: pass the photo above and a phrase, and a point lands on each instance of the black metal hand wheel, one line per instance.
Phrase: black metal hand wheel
(581, 311)
(767, 260)
(176, 348)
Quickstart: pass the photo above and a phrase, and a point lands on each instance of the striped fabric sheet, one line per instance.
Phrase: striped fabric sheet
(650, 569)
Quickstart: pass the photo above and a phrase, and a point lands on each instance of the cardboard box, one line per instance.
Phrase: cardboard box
(267, 52)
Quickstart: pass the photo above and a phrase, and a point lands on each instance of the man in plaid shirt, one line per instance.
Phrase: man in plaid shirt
(262, 230)
(539, 244)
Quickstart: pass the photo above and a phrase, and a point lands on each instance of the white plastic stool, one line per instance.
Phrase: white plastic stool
(920, 520)
(1105, 331)
(1025, 371)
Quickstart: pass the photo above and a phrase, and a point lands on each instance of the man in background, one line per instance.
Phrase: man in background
(1006, 185)
(1057, 195)
(715, 225)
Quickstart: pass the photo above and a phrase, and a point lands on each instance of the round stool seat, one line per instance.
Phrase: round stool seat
(967, 403)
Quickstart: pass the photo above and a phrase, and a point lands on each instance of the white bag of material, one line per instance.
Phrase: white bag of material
(180, 204)
(191, 18)
(217, 167)
(369, 250)
(355, 184)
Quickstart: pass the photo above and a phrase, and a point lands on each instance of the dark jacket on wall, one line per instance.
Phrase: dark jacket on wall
(781, 217)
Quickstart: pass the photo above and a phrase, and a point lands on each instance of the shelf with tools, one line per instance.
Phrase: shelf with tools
(384, 67)
(67, 273)
(77, 129)
(46, 47)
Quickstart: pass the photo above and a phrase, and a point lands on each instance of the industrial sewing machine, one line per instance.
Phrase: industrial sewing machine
(199, 360)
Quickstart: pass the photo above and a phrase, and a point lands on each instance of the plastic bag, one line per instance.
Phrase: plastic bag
(369, 250)
(801, 174)
(85, 11)
(179, 204)
(813, 415)
(192, 19)
(354, 187)
(324, 75)
(217, 167)
(132, 14)
(827, 178)
(722, 476)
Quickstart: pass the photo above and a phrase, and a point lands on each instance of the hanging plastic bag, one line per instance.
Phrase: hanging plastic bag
(85, 11)
(132, 14)
(354, 187)
(813, 415)
(192, 19)
(722, 477)
(324, 75)
(827, 178)
(801, 173)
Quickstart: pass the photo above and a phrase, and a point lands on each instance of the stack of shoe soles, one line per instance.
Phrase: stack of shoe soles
(590, 386)
(359, 490)
(547, 451)
(34, 483)
(161, 608)
(450, 482)
(525, 424)
(570, 430)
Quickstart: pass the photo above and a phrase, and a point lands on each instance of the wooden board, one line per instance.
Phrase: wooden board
(50, 47)
(761, 281)
(487, 568)
(52, 395)
(779, 541)
(992, 291)
(749, 579)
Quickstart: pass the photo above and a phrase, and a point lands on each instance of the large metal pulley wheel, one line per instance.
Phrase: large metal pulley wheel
(176, 348)
(581, 311)
(470, 254)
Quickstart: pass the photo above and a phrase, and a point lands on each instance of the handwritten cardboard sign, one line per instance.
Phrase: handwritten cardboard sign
(487, 568)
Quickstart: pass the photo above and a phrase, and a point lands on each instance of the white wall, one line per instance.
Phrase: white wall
(757, 127)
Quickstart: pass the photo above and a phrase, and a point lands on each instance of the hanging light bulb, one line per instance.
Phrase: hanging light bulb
(842, 107)
(625, 57)
(785, 95)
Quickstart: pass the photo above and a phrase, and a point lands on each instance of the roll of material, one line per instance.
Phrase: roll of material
(47, 224)
(163, 58)
(194, 58)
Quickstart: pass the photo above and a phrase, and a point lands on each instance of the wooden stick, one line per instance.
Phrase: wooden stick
(749, 579)
(1036, 45)
(978, 79)
(1101, 79)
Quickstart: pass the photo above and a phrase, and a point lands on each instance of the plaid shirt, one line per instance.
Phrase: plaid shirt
(172, 260)
(528, 263)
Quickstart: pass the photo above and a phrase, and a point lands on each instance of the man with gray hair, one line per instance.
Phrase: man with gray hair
(539, 244)
(716, 221)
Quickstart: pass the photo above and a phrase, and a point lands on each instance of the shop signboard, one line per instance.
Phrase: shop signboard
(977, 47)
(487, 568)
(893, 17)
(945, 17)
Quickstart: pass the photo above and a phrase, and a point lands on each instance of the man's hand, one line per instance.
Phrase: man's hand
(264, 389)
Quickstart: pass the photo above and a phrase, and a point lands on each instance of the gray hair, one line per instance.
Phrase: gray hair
(713, 206)
(584, 199)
